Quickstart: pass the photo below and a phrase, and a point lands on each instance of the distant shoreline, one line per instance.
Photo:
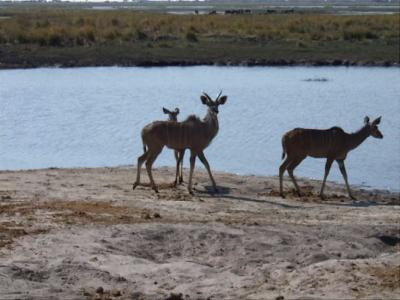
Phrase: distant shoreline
(219, 64)
(192, 63)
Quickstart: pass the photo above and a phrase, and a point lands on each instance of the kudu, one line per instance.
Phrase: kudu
(332, 144)
(173, 116)
(193, 134)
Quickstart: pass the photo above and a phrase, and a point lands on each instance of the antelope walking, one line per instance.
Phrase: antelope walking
(193, 134)
(332, 144)
(173, 116)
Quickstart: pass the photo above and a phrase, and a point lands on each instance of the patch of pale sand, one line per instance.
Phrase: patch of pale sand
(198, 260)
(244, 242)
(377, 278)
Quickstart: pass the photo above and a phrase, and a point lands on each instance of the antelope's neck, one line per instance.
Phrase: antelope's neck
(211, 121)
(355, 139)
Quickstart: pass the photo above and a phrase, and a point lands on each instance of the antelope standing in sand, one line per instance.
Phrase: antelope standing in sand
(332, 144)
(193, 134)
(173, 116)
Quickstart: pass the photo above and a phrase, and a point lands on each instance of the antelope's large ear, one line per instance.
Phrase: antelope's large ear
(177, 110)
(204, 99)
(376, 121)
(222, 100)
(166, 111)
(366, 120)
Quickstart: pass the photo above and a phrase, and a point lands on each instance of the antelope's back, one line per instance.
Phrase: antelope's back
(156, 133)
(174, 135)
(314, 142)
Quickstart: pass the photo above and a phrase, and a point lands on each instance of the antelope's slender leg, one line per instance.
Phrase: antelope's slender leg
(182, 154)
(192, 163)
(178, 163)
(149, 164)
(328, 165)
(203, 159)
(140, 162)
(344, 173)
(176, 153)
(282, 169)
(293, 164)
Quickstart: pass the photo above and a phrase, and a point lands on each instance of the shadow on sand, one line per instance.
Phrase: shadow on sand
(225, 193)
(309, 196)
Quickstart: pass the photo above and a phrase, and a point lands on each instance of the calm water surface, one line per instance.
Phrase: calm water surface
(93, 116)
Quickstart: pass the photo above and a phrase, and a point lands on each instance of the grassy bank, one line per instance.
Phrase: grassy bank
(74, 37)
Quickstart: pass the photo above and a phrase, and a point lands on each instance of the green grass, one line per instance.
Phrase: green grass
(49, 36)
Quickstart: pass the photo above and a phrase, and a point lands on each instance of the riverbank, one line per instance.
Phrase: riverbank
(47, 36)
(220, 54)
(67, 232)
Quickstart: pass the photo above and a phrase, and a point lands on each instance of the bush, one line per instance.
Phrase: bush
(140, 35)
(300, 44)
(191, 36)
(355, 33)
(114, 22)
(22, 38)
(55, 40)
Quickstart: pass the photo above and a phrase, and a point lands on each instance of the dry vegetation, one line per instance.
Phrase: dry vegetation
(77, 28)
(172, 37)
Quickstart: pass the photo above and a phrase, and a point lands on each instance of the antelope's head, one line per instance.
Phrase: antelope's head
(213, 104)
(172, 115)
(373, 127)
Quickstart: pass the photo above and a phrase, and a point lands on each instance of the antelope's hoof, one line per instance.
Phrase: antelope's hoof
(180, 180)
(352, 197)
(216, 191)
(322, 197)
(134, 185)
(299, 194)
(191, 192)
(282, 195)
(155, 189)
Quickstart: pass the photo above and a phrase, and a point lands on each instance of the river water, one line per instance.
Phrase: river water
(89, 117)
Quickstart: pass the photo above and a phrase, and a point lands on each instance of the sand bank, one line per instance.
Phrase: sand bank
(64, 233)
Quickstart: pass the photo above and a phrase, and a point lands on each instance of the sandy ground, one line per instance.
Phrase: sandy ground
(84, 234)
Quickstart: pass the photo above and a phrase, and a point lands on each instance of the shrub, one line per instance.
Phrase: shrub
(140, 35)
(80, 22)
(191, 36)
(55, 40)
(110, 35)
(114, 22)
(22, 38)
(356, 33)
(300, 44)
(90, 35)
(193, 29)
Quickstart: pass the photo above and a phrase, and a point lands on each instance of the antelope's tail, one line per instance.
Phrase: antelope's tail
(283, 149)
(144, 145)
